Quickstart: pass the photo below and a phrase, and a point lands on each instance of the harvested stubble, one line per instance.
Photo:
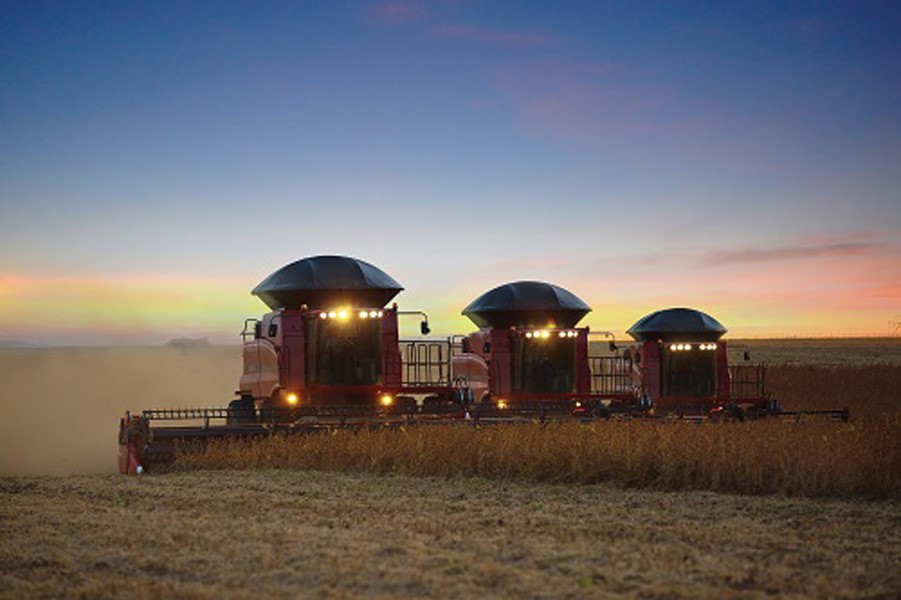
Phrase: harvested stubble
(808, 458)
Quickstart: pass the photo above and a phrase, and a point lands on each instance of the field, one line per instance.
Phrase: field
(371, 519)
(296, 533)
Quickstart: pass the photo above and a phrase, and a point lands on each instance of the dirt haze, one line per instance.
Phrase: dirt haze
(61, 406)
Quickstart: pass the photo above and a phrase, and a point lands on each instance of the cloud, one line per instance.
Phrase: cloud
(757, 255)
(596, 102)
(396, 13)
(509, 39)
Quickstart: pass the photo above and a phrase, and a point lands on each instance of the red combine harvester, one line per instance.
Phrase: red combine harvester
(328, 355)
(680, 365)
(529, 356)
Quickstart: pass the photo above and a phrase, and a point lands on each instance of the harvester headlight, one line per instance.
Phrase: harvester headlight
(363, 314)
(342, 314)
(332, 314)
(687, 347)
(673, 347)
(323, 315)
(528, 334)
(292, 399)
(545, 334)
(502, 405)
(578, 404)
(386, 400)
(562, 334)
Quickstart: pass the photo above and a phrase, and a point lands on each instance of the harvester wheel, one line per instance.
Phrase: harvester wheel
(737, 412)
(241, 411)
(404, 405)
(603, 412)
(431, 405)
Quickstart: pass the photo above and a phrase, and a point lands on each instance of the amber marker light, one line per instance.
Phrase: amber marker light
(386, 400)
(502, 404)
(292, 399)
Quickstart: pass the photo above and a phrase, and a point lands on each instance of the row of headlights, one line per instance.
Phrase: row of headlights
(681, 347)
(293, 399)
(345, 314)
(545, 334)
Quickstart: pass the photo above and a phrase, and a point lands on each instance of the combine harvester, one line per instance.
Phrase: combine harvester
(328, 355)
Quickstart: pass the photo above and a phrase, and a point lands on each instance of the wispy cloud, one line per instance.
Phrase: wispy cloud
(578, 101)
(757, 255)
(396, 12)
(486, 35)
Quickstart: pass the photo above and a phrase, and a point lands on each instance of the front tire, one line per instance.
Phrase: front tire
(241, 412)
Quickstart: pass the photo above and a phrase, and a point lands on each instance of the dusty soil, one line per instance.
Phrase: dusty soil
(60, 407)
(290, 533)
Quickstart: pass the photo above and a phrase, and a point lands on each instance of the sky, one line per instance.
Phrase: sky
(159, 159)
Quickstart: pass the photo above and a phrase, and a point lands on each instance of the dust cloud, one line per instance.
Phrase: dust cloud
(60, 407)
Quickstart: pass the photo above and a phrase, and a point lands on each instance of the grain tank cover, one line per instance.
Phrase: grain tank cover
(677, 324)
(526, 304)
(327, 281)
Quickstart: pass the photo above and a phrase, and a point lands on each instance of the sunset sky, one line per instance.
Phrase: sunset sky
(159, 159)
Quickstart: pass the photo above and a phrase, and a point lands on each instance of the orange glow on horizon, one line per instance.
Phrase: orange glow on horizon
(162, 306)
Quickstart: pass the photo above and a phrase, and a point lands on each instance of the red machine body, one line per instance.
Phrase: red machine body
(348, 357)
(693, 377)
(531, 365)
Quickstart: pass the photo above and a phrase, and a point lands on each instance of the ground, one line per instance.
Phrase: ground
(289, 533)
(69, 527)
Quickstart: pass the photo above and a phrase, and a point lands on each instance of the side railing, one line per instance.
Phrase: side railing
(747, 382)
(610, 374)
(426, 362)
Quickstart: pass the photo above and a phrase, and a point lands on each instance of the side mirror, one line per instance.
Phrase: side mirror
(487, 348)
(747, 355)
(257, 330)
(612, 346)
(424, 328)
(273, 329)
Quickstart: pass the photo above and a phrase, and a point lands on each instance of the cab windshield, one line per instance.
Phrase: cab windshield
(345, 352)
(689, 373)
(544, 366)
